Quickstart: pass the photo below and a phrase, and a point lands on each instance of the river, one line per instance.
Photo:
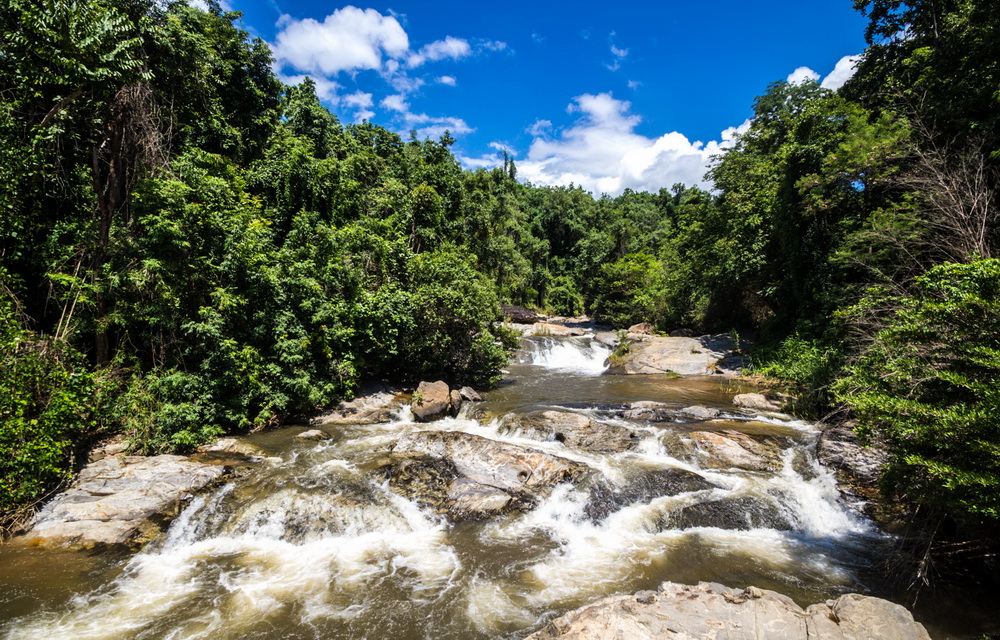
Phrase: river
(312, 546)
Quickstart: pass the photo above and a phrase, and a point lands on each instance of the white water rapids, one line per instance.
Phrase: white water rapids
(314, 547)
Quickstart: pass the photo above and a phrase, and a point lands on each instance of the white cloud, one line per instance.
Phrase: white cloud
(730, 135)
(453, 48)
(634, 84)
(225, 5)
(448, 80)
(618, 53)
(325, 89)
(540, 128)
(802, 74)
(841, 73)
(493, 45)
(602, 152)
(358, 100)
(349, 39)
(395, 102)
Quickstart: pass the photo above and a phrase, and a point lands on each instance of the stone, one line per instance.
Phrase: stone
(107, 449)
(605, 499)
(651, 411)
(574, 430)
(120, 501)
(312, 434)
(469, 476)
(682, 333)
(732, 449)
(431, 400)
(683, 356)
(700, 412)
(556, 330)
(755, 401)
(647, 328)
(233, 445)
(711, 611)
(455, 401)
(519, 315)
(607, 338)
(370, 408)
(469, 394)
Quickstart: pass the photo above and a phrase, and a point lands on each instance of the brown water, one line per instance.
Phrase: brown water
(309, 546)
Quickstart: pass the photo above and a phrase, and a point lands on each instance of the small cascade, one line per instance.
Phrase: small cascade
(315, 545)
(582, 356)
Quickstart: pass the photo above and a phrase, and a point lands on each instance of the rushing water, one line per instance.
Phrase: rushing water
(312, 546)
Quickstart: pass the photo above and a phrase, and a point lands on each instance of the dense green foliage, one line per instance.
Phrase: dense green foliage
(190, 248)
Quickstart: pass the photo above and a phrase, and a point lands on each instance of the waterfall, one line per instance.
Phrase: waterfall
(582, 356)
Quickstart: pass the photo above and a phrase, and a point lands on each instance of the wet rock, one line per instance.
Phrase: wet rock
(370, 408)
(469, 394)
(455, 400)
(234, 446)
(466, 475)
(647, 328)
(712, 611)
(431, 400)
(739, 514)
(683, 356)
(556, 330)
(732, 449)
(755, 401)
(607, 338)
(605, 499)
(700, 412)
(650, 411)
(312, 434)
(120, 501)
(519, 315)
(840, 449)
(574, 430)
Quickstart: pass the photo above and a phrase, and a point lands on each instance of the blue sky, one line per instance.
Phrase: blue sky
(607, 95)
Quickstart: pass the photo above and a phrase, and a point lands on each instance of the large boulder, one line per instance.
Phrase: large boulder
(756, 401)
(606, 499)
(120, 501)
(370, 408)
(732, 449)
(711, 611)
(682, 356)
(573, 430)
(431, 400)
(519, 315)
(465, 475)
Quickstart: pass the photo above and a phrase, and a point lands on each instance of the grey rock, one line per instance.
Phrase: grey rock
(370, 408)
(518, 314)
(573, 430)
(120, 501)
(732, 449)
(711, 611)
(605, 499)
(700, 412)
(455, 401)
(651, 411)
(682, 356)
(464, 475)
(312, 434)
(755, 401)
(647, 328)
(432, 400)
(233, 445)
(469, 394)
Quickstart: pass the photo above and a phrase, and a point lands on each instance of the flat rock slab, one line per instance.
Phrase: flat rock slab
(574, 430)
(468, 476)
(729, 449)
(711, 611)
(120, 501)
(683, 356)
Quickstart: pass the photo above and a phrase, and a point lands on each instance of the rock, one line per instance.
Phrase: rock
(840, 449)
(651, 411)
(432, 400)
(574, 430)
(455, 400)
(312, 434)
(519, 315)
(607, 338)
(647, 328)
(711, 611)
(728, 449)
(233, 445)
(681, 333)
(605, 499)
(370, 408)
(120, 501)
(683, 356)
(755, 401)
(465, 475)
(469, 394)
(700, 412)
(107, 449)
(556, 330)
(738, 514)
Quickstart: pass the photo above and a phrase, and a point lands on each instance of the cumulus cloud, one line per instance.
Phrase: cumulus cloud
(602, 152)
(448, 80)
(841, 73)
(453, 48)
(803, 74)
(349, 39)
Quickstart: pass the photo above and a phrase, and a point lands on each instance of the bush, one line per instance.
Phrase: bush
(926, 386)
(49, 404)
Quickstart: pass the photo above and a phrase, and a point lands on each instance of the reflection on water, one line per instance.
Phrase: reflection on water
(312, 547)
